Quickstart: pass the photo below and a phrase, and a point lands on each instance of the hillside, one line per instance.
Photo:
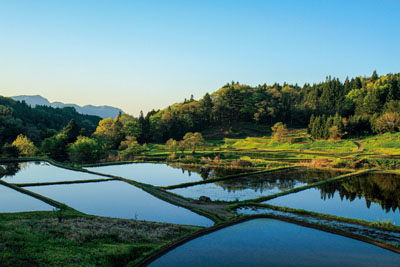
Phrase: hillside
(38, 122)
(101, 111)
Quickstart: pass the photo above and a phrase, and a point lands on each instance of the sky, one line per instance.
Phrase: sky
(140, 55)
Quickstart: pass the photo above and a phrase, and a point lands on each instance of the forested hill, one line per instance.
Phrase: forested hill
(360, 101)
(330, 109)
(101, 111)
(39, 122)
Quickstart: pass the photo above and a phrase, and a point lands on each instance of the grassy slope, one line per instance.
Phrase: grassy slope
(37, 238)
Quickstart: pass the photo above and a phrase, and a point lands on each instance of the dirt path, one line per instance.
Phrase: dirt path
(359, 145)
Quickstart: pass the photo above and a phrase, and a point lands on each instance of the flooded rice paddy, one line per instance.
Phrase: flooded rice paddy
(163, 174)
(14, 201)
(371, 197)
(255, 186)
(119, 200)
(268, 242)
(41, 172)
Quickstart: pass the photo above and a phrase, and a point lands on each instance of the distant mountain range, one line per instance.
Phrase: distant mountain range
(101, 111)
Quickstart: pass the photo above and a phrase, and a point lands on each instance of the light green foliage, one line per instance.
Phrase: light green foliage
(172, 145)
(109, 133)
(84, 150)
(279, 130)
(130, 148)
(25, 146)
(193, 140)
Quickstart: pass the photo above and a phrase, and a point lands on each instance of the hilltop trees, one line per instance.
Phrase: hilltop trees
(331, 109)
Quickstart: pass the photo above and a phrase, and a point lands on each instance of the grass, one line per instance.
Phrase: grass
(386, 144)
(342, 146)
(37, 238)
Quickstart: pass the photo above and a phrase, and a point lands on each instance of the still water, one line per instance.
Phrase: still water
(14, 201)
(268, 242)
(163, 174)
(42, 172)
(370, 197)
(119, 200)
(254, 186)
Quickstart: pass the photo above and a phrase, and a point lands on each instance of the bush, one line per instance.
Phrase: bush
(84, 150)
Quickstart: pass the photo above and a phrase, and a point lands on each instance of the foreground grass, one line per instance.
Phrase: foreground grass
(38, 238)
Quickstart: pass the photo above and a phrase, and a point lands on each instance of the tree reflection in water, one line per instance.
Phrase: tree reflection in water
(379, 188)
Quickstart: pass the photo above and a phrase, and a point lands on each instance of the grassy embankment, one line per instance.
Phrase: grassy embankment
(38, 238)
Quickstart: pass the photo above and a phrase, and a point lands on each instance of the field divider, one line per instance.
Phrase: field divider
(318, 215)
(228, 177)
(166, 196)
(65, 182)
(47, 200)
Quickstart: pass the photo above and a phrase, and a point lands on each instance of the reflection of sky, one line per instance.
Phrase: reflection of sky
(150, 173)
(266, 242)
(14, 201)
(311, 200)
(120, 200)
(34, 172)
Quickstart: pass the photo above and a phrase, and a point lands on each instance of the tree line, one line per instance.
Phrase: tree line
(365, 105)
(330, 109)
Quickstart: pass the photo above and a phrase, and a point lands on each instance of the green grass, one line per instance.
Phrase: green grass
(38, 239)
(342, 146)
(386, 143)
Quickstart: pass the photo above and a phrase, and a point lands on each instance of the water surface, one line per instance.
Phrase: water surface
(267, 242)
(254, 186)
(14, 201)
(42, 172)
(370, 197)
(163, 174)
(119, 200)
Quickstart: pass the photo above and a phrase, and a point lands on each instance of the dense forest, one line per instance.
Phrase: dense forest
(329, 109)
(361, 103)
(38, 123)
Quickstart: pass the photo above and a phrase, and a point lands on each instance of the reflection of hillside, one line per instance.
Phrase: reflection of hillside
(10, 169)
(379, 188)
(209, 172)
(283, 181)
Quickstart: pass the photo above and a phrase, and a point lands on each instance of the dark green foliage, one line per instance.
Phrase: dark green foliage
(71, 131)
(9, 151)
(38, 123)
(359, 100)
(320, 127)
(55, 147)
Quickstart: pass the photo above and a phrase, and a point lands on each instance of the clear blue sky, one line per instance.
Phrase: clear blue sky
(139, 55)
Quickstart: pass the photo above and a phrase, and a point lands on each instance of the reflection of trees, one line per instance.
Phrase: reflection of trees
(210, 172)
(380, 188)
(10, 169)
(284, 180)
